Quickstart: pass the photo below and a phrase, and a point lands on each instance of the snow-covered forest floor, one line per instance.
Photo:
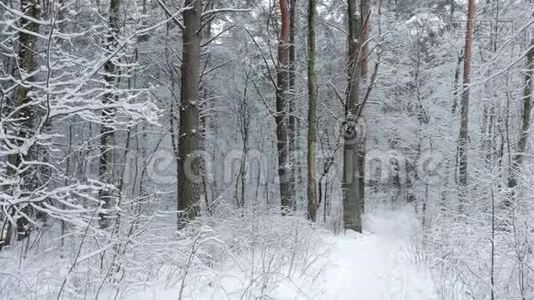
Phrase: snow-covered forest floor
(379, 264)
(290, 260)
(240, 149)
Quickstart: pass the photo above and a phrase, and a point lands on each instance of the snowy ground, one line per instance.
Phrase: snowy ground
(282, 258)
(379, 264)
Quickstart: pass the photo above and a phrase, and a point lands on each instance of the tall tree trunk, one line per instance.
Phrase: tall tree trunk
(107, 133)
(517, 160)
(207, 122)
(190, 166)
(312, 108)
(456, 80)
(364, 69)
(282, 98)
(293, 136)
(364, 25)
(26, 113)
(350, 185)
(464, 110)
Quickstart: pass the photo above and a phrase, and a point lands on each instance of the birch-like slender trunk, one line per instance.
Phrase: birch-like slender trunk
(517, 160)
(107, 133)
(292, 118)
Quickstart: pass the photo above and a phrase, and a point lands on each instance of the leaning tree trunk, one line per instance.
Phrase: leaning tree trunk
(107, 132)
(312, 108)
(282, 105)
(464, 110)
(25, 112)
(517, 160)
(351, 163)
(189, 164)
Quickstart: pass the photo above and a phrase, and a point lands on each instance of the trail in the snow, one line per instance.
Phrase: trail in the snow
(377, 265)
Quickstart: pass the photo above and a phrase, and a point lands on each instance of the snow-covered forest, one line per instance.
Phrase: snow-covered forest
(266, 149)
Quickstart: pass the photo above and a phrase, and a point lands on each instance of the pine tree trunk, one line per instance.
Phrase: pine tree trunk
(107, 133)
(464, 109)
(282, 107)
(190, 166)
(351, 163)
(312, 108)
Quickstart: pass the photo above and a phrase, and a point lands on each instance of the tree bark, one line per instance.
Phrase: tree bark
(350, 185)
(364, 70)
(293, 135)
(312, 108)
(282, 116)
(517, 160)
(107, 132)
(24, 112)
(464, 110)
(364, 25)
(190, 165)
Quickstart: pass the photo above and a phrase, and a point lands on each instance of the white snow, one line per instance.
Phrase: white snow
(378, 264)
